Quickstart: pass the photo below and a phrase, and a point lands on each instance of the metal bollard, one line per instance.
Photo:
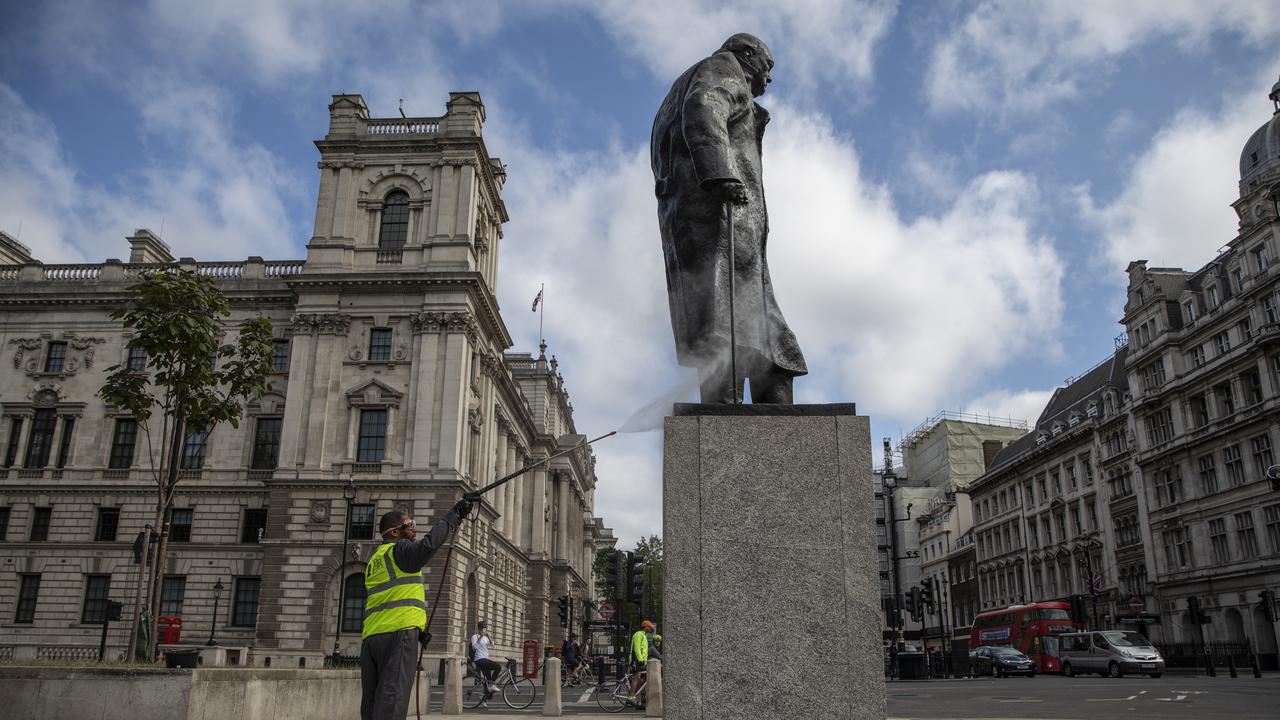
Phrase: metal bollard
(599, 663)
(1208, 664)
(1231, 665)
(1257, 668)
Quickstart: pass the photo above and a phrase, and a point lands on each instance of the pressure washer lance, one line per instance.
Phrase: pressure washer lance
(474, 496)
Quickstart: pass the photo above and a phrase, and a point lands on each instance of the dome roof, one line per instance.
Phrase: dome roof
(1263, 148)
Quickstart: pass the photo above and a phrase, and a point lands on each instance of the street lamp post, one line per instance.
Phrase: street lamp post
(348, 493)
(213, 624)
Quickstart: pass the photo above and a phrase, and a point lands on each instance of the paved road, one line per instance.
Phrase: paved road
(1052, 697)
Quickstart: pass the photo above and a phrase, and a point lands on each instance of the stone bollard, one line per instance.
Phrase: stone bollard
(551, 687)
(421, 702)
(453, 669)
(1257, 668)
(1231, 665)
(653, 689)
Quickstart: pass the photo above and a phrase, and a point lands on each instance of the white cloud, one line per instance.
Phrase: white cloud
(814, 42)
(1174, 205)
(1014, 56)
(1016, 405)
(892, 312)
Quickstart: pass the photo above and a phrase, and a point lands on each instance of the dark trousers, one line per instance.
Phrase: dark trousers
(388, 662)
(488, 669)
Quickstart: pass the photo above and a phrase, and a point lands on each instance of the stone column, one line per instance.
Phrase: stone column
(768, 519)
(562, 535)
(509, 497)
(500, 463)
(520, 513)
(538, 512)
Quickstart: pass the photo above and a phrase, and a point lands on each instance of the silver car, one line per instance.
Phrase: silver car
(1113, 653)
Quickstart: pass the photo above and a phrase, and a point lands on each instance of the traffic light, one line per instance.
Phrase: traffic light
(1079, 613)
(1196, 613)
(564, 611)
(614, 571)
(926, 596)
(635, 578)
(914, 603)
(1267, 601)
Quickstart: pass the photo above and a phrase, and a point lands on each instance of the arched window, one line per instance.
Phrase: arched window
(395, 220)
(353, 604)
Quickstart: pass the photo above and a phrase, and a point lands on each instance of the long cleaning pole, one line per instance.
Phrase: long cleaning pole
(507, 478)
(733, 326)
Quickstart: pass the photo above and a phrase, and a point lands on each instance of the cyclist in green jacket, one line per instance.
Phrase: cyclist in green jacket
(639, 655)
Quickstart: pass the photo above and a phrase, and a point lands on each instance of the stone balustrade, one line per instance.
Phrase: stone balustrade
(403, 126)
(114, 270)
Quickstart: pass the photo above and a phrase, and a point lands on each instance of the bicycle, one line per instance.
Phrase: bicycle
(586, 678)
(517, 692)
(613, 697)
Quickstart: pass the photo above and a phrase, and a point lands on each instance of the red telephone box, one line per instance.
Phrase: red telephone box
(532, 660)
(170, 630)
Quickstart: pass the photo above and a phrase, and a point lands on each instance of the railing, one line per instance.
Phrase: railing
(221, 269)
(116, 474)
(6, 653)
(72, 272)
(1192, 655)
(190, 474)
(66, 652)
(280, 268)
(261, 474)
(32, 474)
(10, 272)
(366, 468)
(403, 126)
(390, 256)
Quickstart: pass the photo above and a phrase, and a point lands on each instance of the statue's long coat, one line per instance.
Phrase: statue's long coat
(709, 128)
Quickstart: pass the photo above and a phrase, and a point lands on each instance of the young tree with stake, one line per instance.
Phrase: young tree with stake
(191, 384)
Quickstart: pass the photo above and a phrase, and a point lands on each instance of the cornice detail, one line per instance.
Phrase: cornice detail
(323, 323)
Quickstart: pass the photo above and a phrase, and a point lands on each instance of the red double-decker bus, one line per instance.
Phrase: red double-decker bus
(1032, 629)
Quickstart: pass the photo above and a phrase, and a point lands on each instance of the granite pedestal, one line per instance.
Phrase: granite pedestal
(772, 589)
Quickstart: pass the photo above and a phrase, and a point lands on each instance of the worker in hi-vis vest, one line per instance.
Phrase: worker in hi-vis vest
(395, 610)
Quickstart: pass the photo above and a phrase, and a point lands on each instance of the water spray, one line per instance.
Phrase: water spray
(508, 478)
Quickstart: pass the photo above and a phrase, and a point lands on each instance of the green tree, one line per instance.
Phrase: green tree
(650, 551)
(191, 384)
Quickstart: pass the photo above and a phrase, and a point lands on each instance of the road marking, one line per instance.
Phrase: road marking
(1180, 698)
(1124, 699)
(586, 697)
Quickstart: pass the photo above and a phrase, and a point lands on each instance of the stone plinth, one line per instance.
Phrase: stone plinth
(771, 583)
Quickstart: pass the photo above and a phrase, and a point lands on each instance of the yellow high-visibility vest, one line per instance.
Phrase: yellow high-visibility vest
(395, 599)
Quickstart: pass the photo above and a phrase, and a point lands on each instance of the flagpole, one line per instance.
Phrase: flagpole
(542, 288)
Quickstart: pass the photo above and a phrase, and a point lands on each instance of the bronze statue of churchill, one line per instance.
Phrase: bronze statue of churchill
(705, 151)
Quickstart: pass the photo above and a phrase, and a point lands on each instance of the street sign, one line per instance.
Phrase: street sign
(1137, 604)
(1139, 619)
(606, 611)
(597, 626)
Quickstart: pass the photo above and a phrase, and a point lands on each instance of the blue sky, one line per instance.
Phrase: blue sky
(955, 188)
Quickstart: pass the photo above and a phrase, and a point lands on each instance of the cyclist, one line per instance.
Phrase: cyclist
(488, 669)
(572, 659)
(639, 655)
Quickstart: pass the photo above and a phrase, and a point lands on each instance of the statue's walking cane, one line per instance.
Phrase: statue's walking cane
(733, 326)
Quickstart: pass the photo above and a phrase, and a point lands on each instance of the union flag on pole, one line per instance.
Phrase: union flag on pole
(537, 299)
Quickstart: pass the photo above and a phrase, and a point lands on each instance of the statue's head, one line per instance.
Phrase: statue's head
(755, 58)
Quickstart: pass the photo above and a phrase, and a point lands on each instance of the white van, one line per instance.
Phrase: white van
(1108, 652)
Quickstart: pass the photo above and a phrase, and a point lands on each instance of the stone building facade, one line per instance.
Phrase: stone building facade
(391, 373)
(1204, 367)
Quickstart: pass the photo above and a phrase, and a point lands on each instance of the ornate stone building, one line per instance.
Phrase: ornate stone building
(1204, 366)
(391, 374)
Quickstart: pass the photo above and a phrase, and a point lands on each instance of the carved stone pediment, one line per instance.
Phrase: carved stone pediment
(374, 393)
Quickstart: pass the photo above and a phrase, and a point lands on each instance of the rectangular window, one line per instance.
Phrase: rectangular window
(1189, 308)
(1208, 475)
(1226, 399)
(379, 344)
(1262, 458)
(280, 356)
(15, 437)
(137, 359)
(64, 445)
(1071, 475)
(1196, 356)
(373, 436)
(1159, 425)
(1237, 279)
(180, 525)
(1177, 548)
(193, 448)
(361, 522)
(1056, 480)
(1168, 486)
(1245, 329)
(244, 610)
(1246, 538)
(28, 595)
(1075, 521)
(41, 441)
(1251, 381)
(1222, 343)
(172, 594)
(122, 444)
(1231, 460)
(4, 523)
(40, 519)
(1275, 371)
(1271, 516)
(266, 443)
(1092, 509)
(1269, 310)
(108, 525)
(1153, 375)
(1218, 547)
(1212, 295)
(255, 522)
(1199, 406)
(96, 591)
(55, 357)
(1261, 258)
